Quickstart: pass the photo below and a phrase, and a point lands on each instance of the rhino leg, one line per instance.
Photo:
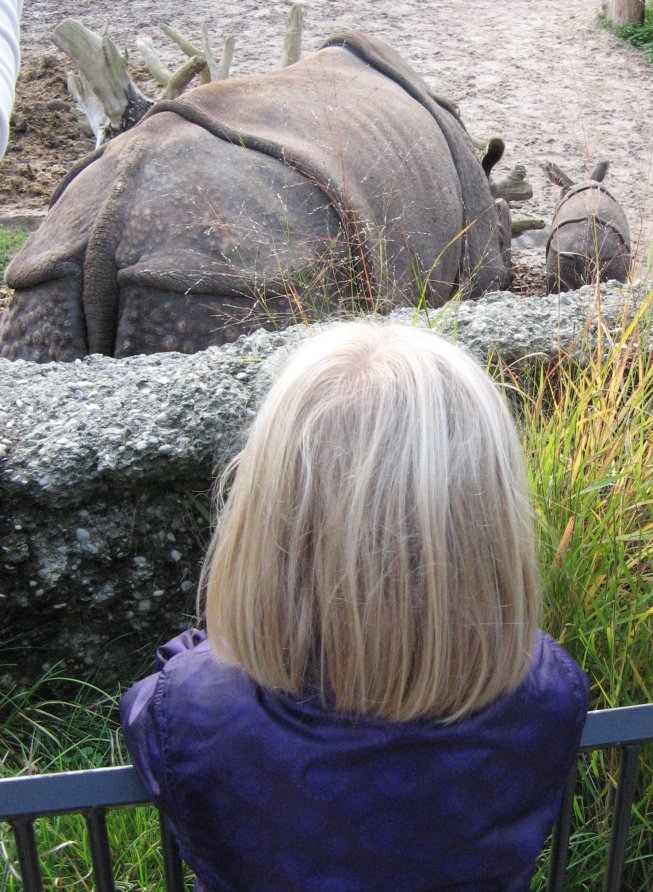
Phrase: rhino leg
(185, 323)
(47, 323)
(505, 233)
(566, 271)
(611, 254)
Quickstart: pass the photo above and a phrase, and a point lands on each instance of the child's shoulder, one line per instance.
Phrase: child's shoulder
(190, 672)
(551, 702)
(554, 671)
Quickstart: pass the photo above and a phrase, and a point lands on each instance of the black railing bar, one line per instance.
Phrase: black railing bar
(28, 856)
(100, 853)
(70, 791)
(560, 836)
(621, 820)
(621, 726)
(173, 870)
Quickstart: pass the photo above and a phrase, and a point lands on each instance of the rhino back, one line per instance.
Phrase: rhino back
(376, 153)
(202, 259)
(481, 263)
(591, 201)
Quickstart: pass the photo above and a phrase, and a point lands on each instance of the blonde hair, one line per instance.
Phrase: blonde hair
(377, 542)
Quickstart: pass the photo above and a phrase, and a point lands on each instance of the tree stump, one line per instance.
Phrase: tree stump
(623, 12)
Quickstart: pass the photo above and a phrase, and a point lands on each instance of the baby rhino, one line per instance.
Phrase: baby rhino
(590, 239)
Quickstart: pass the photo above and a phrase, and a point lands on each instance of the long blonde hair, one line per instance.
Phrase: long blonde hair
(377, 542)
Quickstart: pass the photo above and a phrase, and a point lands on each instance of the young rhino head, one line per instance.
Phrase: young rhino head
(590, 239)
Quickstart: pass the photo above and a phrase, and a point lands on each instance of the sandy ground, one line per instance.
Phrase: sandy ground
(541, 73)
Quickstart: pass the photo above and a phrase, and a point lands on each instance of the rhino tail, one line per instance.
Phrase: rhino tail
(101, 292)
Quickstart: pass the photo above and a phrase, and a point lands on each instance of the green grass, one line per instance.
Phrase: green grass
(640, 35)
(40, 734)
(588, 435)
(10, 241)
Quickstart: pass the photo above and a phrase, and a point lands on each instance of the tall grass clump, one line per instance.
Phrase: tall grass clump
(588, 434)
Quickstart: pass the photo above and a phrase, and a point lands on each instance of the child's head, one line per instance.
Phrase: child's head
(377, 541)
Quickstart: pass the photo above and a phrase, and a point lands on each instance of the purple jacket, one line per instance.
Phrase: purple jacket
(265, 792)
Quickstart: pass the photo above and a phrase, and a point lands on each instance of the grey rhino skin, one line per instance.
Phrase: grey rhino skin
(590, 238)
(337, 183)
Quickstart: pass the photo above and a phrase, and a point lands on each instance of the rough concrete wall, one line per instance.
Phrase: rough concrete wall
(105, 466)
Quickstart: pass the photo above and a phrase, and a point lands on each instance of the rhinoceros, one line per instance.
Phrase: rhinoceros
(336, 183)
(590, 238)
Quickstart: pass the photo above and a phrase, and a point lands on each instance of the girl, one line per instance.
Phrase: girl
(372, 706)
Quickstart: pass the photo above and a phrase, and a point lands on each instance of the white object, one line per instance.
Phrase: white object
(10, 12)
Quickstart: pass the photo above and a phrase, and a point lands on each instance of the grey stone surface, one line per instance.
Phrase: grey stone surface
(106, 469)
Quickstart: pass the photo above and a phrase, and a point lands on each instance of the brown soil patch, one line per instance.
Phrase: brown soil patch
(529, 281)
(46, 136)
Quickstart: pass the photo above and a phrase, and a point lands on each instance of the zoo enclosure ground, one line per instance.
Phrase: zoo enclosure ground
(543, 75)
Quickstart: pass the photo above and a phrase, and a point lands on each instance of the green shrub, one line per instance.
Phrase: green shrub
(640, 35)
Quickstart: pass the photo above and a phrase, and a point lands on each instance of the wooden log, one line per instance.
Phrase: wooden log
(89, 106)
(623, 12)
(517, 227)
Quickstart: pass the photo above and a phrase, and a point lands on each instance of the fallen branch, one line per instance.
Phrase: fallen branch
(518, 227)
(182, 42)
(227, 58)
(183, 76)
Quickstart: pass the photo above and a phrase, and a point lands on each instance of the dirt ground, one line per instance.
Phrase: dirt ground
(543, 75)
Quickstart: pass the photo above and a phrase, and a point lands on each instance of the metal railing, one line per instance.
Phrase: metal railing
(93, 792)
(628, 728)
(90, 793)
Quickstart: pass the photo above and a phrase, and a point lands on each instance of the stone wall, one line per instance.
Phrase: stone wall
(106, 469)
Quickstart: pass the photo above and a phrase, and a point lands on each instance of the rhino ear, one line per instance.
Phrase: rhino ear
(556, 176)
(599, 171)
(493, 154)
